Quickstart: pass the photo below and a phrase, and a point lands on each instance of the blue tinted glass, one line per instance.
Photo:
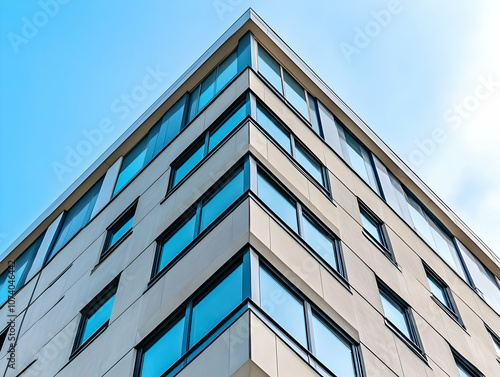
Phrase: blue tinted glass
(207, 90)
(171, 124)
(332, 350)
(320, 242)
(215, 306)
(226, 71)
(177, 242)
(194, 99)
(273, 128)
(279, 204)
(438, 291)
(97, 319)
(120, 232)
(270, 69)
(283, 307)
(222, 200)
(308, 162)
(395, 314)
(225, 128)
(132, 164)
(295, 94)
(371, 227)
(188, 165)
(164, 353)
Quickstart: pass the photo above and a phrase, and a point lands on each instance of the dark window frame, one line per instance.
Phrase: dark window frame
(324, 186)
(414, 342)
(78, 346)
(465, 364)
(495, 339)
(4, 334)
(116, 225)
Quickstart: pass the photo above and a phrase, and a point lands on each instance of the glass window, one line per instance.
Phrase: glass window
(282, 306)
(132, 164)
(188, 164)
(334, 352)
(439, 291)
(309, 163)
(97, 316)
(270, 69)
(3, 336)
(360, 160)
(277, 201)
(76, 218)
(465, 369)
(207, 91)
(395, 313)
(226, 127)
(118, 230)
(216, 305)
(420, 222)
(19, 270)
(164, 352)
(227, 195)
(320, 242)
(177, 242)
(372, 227)
(445, 248)
(295, 94)
(313, 109)
(226, 71)
(171, 124)
(496, 343)
(273, 128)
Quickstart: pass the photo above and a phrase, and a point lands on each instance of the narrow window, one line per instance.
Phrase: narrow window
(295, 94)
(464, 367)
(95, 316)
(374, 228)
(3, 336)
(270, 69)
(320, 241)
(119, 230)
(273, 128)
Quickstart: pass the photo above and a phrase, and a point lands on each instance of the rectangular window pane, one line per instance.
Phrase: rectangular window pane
(226, 127)
(226, 71)
(309, 163)
(270, 69)
(445, 248)
(215, 306)
(120, 231)
(438, 291)
(295, 94)
(207, 90)
(283, 307)
(132, 164)
(97, 316)
(331, 350)
(273, 128)
(395, 314)
(281, 205)
(320, 242)
(462, 372)
(314, 114)
(177, 242)
(360, 161)
(164, 352)
(420, 222)
(214, 207)
(496, 344)
(372, 227)
(188, 164)
(194, 99)
(171, 124)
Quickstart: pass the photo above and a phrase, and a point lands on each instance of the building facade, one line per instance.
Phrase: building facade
(249, 224)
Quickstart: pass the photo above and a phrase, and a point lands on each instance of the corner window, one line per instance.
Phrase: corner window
(95, 317)
(119, 230)
(399, 317)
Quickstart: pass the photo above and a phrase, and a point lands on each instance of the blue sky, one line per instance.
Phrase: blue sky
(424, 77)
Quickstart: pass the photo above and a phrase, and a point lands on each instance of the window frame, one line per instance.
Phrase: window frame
(301, 211)
(324, 186)
(385, 246)
(465, 364)
(78, 345)
(116, 225)
(452, 309)
(495, 339)
(414, 342)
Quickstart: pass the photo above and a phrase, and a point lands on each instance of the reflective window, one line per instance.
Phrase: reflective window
(216, 305)
(96, 316)
(373, 227)
(438, 290)
(119, 230)
(395, 313)
(164, 353)
(277, 201)
(217, 204)
(320, 242)
(309, 163)
(212, 139)
(177, 242)
(283, 307)
(273, 128)
(18, 271)
(207, 90)
(360, 161)
(270, 69)
(295, 94)
(226, 71)
(132, 164)
(76, 218)
(331, 349)
(496, 343)
(465, 369)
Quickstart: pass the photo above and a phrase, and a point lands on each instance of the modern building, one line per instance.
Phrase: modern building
(249, 224)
